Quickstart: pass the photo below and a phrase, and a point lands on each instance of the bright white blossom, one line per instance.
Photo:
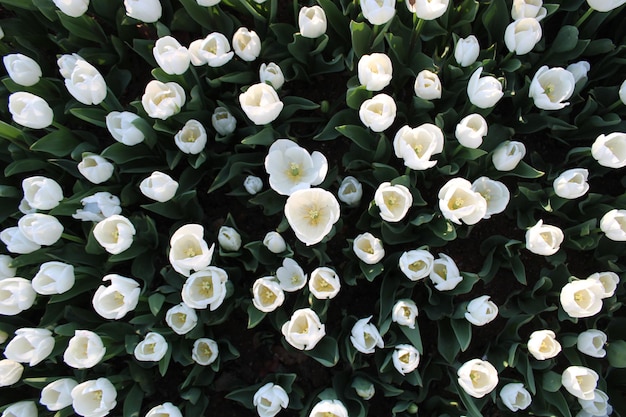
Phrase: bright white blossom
(550, 87)
(365, 337)
(522, 35)
(378, 12)
(416, 146)
(605, 5)
(191, 138)
(159, 187)
(481, 311)
(213, 50)
(270, 399)
(17, 242)
(22, 69)
(543, 345)
(229, 239)
(261, 103)
(267, 295)
(572, 183)
(147, 11)
(162, 100)
(116, 300)
(274, 242)
(394, 201)
(122, 126)
(507, 155)
(528, 8)
(416, 264)
(610, 150)
(30, 345)
(544, 239)
(246, 44)
(17, 295)
(579, 70)
(95, 168)
(368, 248)
(515, 397)
(114, 233)
(98, 207)
(84, 350)
(404, 312)
(466, 51)
(82, 80)
(592, 342)
(375, 71)
(188, 249)
(151, 349)
(30, 110)
(458, 202)
(312, 22)
(311, 213)
(43, 229)
(171, 56)
(580, 381)
(445, 274)
(582, 298)
(53, 277)
(329, 408)
(350, 191)
(427, 9)
(405, 358)
(10, 372)
(471, 130)
(291, 276)
(164, 410)
(484, 92)
(427, 85)
(58, 394)
(271, 74)
(204, 351)
(181, 318)
(205, 288)
(378, 112)
(477, 377)
(94, 398)
(609, 281)
(494, 192)
(304, 330)
(324, 283)
(207, 3)
(21, 409)
(6, 269)
(613, 224)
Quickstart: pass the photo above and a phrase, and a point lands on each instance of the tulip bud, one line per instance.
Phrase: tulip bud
(72, 8)
(605, 5)
(229, 239)
(246, 44)
(171, 56)
(253, 184)
(6, 270)
(162, 100)
(23, 70)
(159, 186)
(378, 12)
(30, 110)
(122, 127)
(427, 85)
(375, 71)
(592, 342)
(466, 51)
(515, 397)
(223, 121)
(82, 80)
(471, 130)
(350, 191)
(21, 409)
(613, 224)
(260, 103)
(42, 193)
(572, 183)
(30, 345)
(17, 242)
(579, 70)
(274, 242)
(58, 394)
(272, 74)
(507, 155)
(148, 11)
(610, 150)
(522, 35)
(427, 9)
(54, 278)
(484, 92)
(40, 228)
(95, 168)
(10, 372)
(312, 22)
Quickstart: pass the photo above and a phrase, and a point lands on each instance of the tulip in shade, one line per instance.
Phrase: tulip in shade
(58, 394)
(494, 192)
(304, 330)
(253, 184)
(515, 397)
(608, 280)
(229, 239)
(270, 399)
(291, 276)
(591, 342)
(30, 110)
(597, 406)
(405, 358)
(223, 121)
(10, 372)
(477, 377)
(98, 207)
(271, 74)
(350, 191)
(311, 213)
(205, 351)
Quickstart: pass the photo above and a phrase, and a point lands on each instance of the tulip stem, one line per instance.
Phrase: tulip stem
(417, 29)
(613, 106)
(507, 57)
(72, 238)
(584, 17)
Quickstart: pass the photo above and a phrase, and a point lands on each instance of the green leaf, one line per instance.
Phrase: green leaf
(558, 400)
(264, 137)
(132, 402)
(255, 316)
(24, 165)
(355, 96)
(495, 19)
(463, 332)
(325, 352)
(565, 40)
(361, 38)
(58, 143)
(414, 336)
(616, 353)
(155, 301)
(446, 341)
(335, 18)
(371, 271)
(83, 27)
(551, 381)
(359, 135)
(96, 117)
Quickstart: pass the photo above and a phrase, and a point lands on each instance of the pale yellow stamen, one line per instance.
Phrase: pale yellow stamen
(417, 266)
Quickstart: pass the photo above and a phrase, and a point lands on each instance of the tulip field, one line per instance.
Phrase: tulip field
(312, 208)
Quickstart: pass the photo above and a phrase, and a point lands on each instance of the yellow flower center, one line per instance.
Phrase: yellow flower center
(314, 216)
(149, 348)
(97, 395)
(417, 266)
(190, 252)
(457, 203)
(267, 296)
(294, 171)
(406, 311)
(404, 358)
(207, 288)
(474, 376)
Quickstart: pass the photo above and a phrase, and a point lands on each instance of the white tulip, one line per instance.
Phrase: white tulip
(522, 35)
(207, 3)
(609, 281)
(458, 202)
(53, 278)
(252, 184)
(550, 87)
(378, 12)
(598, 405)
(30, 110)
(246, 44)
(17, 296)
(84, 350)
(427, 85)
(205, 288)
(98, 207)
(72, 8)
(378, 112)
(471, 130)
(477, 377)
(579, 70)
(312, 22)
(223, 121)
(10, 372)
(368, 248)
(114, 233)
(363, 388)
(466, 51)
(515, 397)
(544, 239)
(21, 409)
(350, 191)
(261, 103)
(484, 92)
(162, 100)
(272, 74)
(494, 192)
(151, 349)
(610, 150)
(274, 242)
(30, 345)
(365, 336)
(427, 9)
(82, 80)
(122, 127)
(204, 351)
(270, 399)
(580, 381)
(6, 270)
(311, 213)
(582, 298)
(40, 228)
(405, 358)
(592, 342)
(267, 294)
(375, 71)
(622, 92)
(394, 201)
(304, 330)
(171, 56)
(445, 274)
(94, 398)
(481, 311)
(181, 318)
(613, 224)
(416, 146)
(164, 410)
(291, 276)
(605, 5)
(543, 345)
(404, 313)
(116, 300)
(159, 187)
(329, 408)
(148, 11)
(17, 242)
(572, 183)
(528, 8)
(213, 50)
(229, 239)
(507, 155)
(191, 138)
(95, 168)
(324, 283)
(291, 167)
(22, 69)
(189, 250)
(416, 264)
(25, 208)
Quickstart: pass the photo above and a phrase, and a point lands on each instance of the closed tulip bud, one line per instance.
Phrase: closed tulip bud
(466, 51)
(6, 269)
(416, 264)
(481, 311)
(304, 329)
(42, 193)
(164, 410)
(579, 70)
(543, 345)
(267, 294)
(21, 409)
(171, 56)
(484, 92)
(162, 100)
(350, 191)
(213, 50)
(375, 71)
(378, 112)
(580, 381)
(274, 242)
(270, 399)
(528, 8)
(40, 228)
(597, 406)
(148, 11)
(54, 278)
(494, 192)
(95, 168)
(321, 212)
(223, 121)
(592, 342)
(365, 337)
(229, 239)
(94, 398)
(312, 22)
(608, 280)
(30, 110)
(253, 185)
(181, 318)
(116, 300)
(17, 242)
(544, 239)
(291, 276)
(507, 155)
(477, 377)
(17, 296)
(582, 298)
(58, 394)
(114, 233)
(610, 150)
(378, 12)
(205, 351)
(427, 9)
(205, 289)
(122, 127)
(605, 5)
(82, 80)
(550, 87)
(84, 350)
(368, 248)
(471, 130)
(394, 201)
(72, 8)
(159, 187)
(572, 183)
(272, 74)
(445, 274)
(10, 372)
(404, 312)
(246, 44)
(30, 345)
(515, 397)
(522, 35)
(427, 85)
(151, 349)
(324, 283)
(23, 70)
(98, 207)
